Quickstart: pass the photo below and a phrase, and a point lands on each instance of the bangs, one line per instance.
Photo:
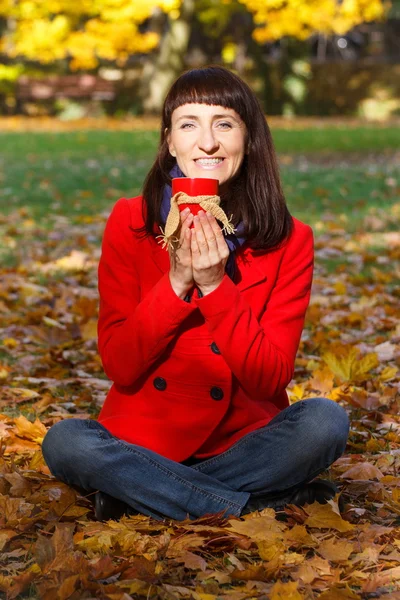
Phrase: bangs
(212, 86)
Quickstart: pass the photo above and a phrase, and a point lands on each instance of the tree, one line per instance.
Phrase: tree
(83, 35)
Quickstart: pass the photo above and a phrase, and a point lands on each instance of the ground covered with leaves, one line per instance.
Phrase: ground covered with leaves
(50, 544)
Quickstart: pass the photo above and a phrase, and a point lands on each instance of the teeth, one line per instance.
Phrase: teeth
(209, 161)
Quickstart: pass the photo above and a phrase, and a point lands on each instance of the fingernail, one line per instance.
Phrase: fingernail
(186, 210)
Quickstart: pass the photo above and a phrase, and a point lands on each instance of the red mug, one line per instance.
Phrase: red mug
(196, 186)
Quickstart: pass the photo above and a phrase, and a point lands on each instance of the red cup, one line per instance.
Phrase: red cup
(196, 186)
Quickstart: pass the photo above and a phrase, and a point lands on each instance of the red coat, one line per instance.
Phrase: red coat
(192, 378)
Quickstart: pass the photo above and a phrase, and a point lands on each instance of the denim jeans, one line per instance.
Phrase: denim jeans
(297, 445)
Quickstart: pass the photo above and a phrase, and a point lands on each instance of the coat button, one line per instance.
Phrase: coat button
(160, 383)
(216, 393)
(215, 348)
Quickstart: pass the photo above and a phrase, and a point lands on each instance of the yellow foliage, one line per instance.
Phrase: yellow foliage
(83, 31)
(301, 18)
(345, 362)
(87, 31)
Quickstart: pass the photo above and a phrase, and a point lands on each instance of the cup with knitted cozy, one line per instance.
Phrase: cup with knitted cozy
(194, 187)
(197, 193)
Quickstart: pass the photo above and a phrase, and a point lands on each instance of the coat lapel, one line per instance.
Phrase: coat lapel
(252, 268)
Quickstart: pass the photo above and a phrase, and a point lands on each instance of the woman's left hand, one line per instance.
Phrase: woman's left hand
(210, 252)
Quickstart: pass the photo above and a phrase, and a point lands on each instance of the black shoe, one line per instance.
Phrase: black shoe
(319, 490)
(106, 507)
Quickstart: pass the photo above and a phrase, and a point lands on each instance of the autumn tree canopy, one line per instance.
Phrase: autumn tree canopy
(90, 31)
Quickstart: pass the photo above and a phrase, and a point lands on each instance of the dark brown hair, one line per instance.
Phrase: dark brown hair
(255, 195)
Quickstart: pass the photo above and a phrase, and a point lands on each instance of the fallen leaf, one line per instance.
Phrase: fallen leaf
(362, 471)
(324, 516)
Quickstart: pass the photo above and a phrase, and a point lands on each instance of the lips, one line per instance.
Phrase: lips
(209, 162)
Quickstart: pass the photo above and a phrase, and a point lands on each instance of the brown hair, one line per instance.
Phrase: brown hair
(255, 195)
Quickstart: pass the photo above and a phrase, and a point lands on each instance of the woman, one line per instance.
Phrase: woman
(200, 340)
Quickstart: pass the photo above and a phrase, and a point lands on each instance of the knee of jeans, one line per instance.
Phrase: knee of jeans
(61, 444)
(329, 423)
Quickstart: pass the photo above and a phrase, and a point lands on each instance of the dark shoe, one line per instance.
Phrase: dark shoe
(319, 490)
(106, 507)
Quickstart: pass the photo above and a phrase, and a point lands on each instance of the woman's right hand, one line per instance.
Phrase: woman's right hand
(181, 272)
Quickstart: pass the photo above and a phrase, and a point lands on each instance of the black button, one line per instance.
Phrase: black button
(215, 348)
(216, 393)
(160, 383)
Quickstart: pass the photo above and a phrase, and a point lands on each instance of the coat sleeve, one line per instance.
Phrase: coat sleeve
(132, 332)
(261, 353)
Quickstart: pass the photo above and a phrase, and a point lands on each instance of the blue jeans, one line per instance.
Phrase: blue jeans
(297, 445)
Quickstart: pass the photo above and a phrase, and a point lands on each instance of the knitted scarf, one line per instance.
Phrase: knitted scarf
(234, 240)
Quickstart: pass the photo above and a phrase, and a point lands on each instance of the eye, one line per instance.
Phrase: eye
(225, 125)
(187, 125)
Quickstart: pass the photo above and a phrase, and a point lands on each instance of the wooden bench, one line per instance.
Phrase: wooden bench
(48, 89)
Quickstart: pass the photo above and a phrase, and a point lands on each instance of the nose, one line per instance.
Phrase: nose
(207, 140)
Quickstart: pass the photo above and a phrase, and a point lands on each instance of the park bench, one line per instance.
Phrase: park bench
(53, 87)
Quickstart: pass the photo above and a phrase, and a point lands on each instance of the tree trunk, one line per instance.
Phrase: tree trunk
(169, 62)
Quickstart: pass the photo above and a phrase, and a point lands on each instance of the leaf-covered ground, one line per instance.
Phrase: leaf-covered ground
(50, 544)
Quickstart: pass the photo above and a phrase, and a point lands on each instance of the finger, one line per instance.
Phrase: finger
(185, 215)
(185, 228)
(200, 236)
(194, 246)
(208, 231)
(185, 236)
(218, 234)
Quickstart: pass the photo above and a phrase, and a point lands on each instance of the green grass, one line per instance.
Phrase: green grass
(84, 173)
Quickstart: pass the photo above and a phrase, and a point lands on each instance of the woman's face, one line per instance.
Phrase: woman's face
(207, 141)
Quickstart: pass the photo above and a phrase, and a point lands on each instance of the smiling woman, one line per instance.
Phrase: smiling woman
(208, 138)
(200, 340)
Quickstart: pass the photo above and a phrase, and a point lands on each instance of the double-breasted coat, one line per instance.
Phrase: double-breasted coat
(191, 378)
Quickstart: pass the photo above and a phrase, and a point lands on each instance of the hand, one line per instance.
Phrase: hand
(210, 252)
(181, 272)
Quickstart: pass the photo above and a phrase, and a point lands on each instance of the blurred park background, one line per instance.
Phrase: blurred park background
(82, 84)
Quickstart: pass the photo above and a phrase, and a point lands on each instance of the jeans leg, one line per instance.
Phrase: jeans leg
(84, 454)
(296, 446)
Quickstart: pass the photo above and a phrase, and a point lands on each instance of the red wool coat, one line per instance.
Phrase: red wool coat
(192, 378)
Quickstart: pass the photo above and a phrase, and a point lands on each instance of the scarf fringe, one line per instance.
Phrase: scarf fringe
(169, 237)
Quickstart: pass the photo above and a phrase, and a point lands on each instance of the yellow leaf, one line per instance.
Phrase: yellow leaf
(335, 550)
(336, 593)
(326, 516)
(340, 288)
(285, 591)
(297, 392)
(31, 431)
(4, 372)
(268, 550)
(53, 323)
(260, 528)
(388, 373)
(345, 362)
(10, 342)
(322, 380)
(362, 472)
(89, 330)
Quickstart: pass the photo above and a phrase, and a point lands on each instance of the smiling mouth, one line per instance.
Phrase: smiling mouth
(208, 162)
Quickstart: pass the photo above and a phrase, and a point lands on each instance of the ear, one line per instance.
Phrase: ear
(168, 140)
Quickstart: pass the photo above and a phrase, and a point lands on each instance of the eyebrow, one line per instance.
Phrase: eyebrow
(196, 118)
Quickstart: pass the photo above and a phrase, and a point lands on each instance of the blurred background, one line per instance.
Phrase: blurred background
(82, 85)
(118, 57)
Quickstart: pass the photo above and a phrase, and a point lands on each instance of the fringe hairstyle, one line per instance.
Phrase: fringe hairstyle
(255, 194)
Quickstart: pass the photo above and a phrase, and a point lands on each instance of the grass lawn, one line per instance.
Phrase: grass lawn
(82, 173)
(55, 192)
